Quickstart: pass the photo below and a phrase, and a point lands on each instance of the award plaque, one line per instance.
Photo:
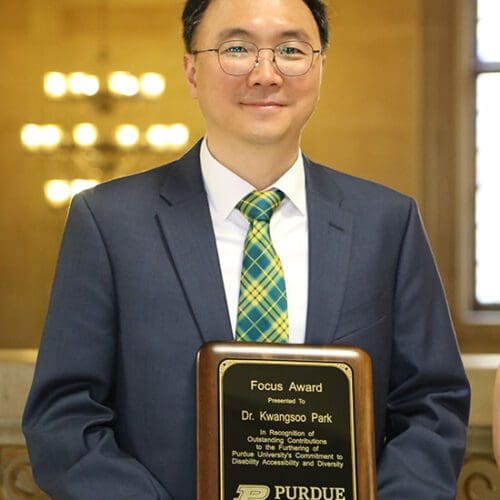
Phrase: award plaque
(283, 421)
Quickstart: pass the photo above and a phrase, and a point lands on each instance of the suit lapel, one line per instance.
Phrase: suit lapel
(187, 232)
(330, 232)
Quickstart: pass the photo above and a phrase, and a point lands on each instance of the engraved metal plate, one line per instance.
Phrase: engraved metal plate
(284, 421)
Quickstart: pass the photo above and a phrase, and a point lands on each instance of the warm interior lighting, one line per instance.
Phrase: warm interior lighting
(127, 136)
(76, 83)
(95, 151)
(50, 136)
(31, 136)
(57, 192)
(90, 85)
(123, 83)
(78, 185)
(157, 136)
(162, 137)
(178, 135)
(45, 137)
(85, 134)
(152, 84)
(55, 84)
(80, 83)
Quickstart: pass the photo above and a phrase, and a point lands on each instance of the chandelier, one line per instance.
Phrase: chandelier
(102, 149)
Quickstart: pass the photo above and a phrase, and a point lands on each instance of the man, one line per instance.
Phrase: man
(150, 266)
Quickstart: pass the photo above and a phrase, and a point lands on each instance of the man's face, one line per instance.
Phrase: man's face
(263, 107)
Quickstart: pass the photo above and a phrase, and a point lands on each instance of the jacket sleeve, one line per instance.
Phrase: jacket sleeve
(68, 420)
(429, 395)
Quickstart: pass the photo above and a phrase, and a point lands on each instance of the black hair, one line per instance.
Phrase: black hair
(194, 10)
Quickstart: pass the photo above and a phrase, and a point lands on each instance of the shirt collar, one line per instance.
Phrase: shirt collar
(225, 189)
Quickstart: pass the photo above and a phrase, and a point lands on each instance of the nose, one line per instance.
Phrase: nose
(265, 71)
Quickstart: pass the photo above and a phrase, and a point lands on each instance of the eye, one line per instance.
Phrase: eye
(288, 50)
(234, 49)
(292, 50)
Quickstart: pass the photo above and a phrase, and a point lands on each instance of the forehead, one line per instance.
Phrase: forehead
(258, 20)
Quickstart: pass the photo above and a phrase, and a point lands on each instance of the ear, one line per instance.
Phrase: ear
(322, 65)
(190, 73)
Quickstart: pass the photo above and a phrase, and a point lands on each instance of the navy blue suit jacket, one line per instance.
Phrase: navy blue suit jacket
(138, 290)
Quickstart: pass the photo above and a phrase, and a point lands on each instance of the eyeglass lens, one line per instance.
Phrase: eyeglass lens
(238, 57)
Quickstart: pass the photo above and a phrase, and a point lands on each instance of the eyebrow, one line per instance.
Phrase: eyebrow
(229, 33)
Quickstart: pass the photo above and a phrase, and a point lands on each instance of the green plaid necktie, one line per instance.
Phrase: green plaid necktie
(262, 308)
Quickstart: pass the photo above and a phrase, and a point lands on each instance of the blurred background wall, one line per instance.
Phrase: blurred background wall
(368, 122)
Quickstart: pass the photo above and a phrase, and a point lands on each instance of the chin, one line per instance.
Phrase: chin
(265, 139)
(260, 134)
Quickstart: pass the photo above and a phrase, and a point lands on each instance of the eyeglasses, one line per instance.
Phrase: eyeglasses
(239, 57)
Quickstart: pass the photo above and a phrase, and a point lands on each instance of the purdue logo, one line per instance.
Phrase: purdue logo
(252, 492)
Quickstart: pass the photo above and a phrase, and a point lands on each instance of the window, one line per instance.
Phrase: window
(487, 194)
(461, 161)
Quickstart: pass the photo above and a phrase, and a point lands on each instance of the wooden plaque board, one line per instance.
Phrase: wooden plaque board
(278, 421)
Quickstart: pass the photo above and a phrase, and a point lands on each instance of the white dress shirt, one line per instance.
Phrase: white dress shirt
(288, 227)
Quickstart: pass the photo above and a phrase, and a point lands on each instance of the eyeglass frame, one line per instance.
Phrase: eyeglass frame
(257, 59)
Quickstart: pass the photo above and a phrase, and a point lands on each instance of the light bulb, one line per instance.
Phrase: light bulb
(76, 83)
(31, 136)
(78, 185)
(85, 134)
(152, 84)
(57, 192)
(90, 85)
(178, 135)
(123, 83)
(157, 136)
(127, 136)
(55, 84)
(51, 136)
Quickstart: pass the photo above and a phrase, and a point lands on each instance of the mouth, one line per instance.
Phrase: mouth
(263, 104)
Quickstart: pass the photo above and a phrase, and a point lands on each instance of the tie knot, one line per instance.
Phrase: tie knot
(260, 205)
